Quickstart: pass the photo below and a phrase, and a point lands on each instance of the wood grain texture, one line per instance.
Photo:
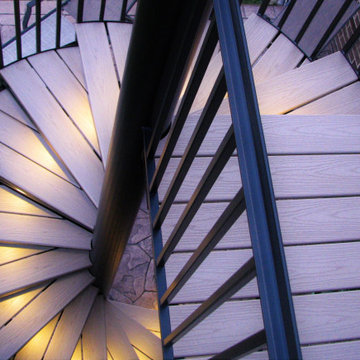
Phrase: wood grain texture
(343, 101)
(56, 127)
(68, 330)
(281, 57)
(35, 230)
(146, 317)
(42, 267)
(11, 253)
(138, 336)
(37, 314)
(10, 306)
(47, 188)
(13, 202)
(100, 79)
(120, 38)
(67, 90)
(36, 346)
(282, 93)
(28, 143)
(9, 106)
(328, 267)
(94, 332)
(72, 58)
(323, 317)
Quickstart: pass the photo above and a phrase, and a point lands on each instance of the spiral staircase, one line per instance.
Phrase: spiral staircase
(57, 113)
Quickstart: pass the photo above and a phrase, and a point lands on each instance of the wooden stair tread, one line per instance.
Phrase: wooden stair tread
(100, 79)
(94, 332)
(332, 267)
(11, 253)
(40, 184)
(146, 317)
(343, 101)
(40, 311)
(282, 93)
(69, 328)
(67, 90)
(56, 127)
(72, 58)
(42, 267)
(138, 336)
(9, 106)
(36, 346)
(281, 57)
(28, 143)
(120, 34)
(13, 202)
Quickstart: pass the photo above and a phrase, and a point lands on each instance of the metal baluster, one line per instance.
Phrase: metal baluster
(38, 25)
(58, 23)
(17, 29)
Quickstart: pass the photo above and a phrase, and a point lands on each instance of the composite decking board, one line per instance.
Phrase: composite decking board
(40, 311)
(284, 134)
(146, 317)
(94, 332)
(72, 58)
(281, 57)
(68, 330)
(100, 79)
(259, 34)
(46, 187)
(36, 346)
(40, 268)
(13, 202)
(35, 230)
(67, 90)
(56, 127)
(10, 253)
(15, 303)
(9, 106)
(120, 38)
(27, 142)
(117, 342)
(282, 93)
(293, 176)
(343, 101)
(328, 267)
(323, 317)
(77, 355)
(302, 221)
(138, 335)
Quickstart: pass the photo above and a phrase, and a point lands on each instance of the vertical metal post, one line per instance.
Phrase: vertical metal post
(286, 14)
(58, 23)
(123, 11)
(80, 11)
(263, 7)
(17, 29)
(1, 54)
(102, 10)
(273, 282)
(38, 25)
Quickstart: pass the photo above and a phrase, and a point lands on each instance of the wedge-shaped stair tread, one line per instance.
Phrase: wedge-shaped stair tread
(67, 90)
(35, 230)
(40, 311)
(9, 106)
(146, 317)
(282, 93)
(100, 79)
(11, 253)
(343, 101)
(35, 348)
(13, 202)
(332, 267)
(72, 58)
(10, 306)
(138, 336)
(120, 38)
(68, 330)
(41, 267)
(94, 332)
(281, 57)
(27, 142)
(56, 127)
(117, 342)
(40, 184)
